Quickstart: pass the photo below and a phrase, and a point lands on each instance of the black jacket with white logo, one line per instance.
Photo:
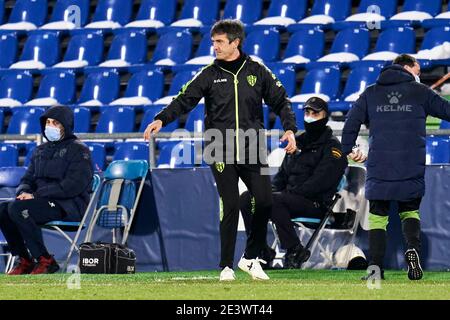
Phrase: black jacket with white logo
(233, 101)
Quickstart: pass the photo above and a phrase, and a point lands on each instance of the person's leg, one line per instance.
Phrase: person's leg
(247, 206)
(12, 235)
(378, 221)
(227, 186)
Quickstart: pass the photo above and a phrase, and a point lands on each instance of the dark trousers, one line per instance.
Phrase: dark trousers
(285, 206)
(227, 179)
(20, 220)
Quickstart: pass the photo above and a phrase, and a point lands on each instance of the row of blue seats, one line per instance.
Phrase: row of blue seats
(161, 14)
(85, 52)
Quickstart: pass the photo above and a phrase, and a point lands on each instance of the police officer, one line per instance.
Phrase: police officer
(306, 182)
(234, 87)
(395, 108)
(55, 187)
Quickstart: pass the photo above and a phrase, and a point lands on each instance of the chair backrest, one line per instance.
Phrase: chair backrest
(114, 10)
(248, 11)
(288, 78)
(17, 86)
(116, 119)
(102, 86)
(146, 83)
(352, 40)
(25, 120)
(178, 154)
(387, 8)
(150, 114)
(206, 11)
(433, 7)
(58, 85)
(308, 43)
(325, 81)
(131, 151)
(64, 10)
(8, 50)
(82, 119)
(295, 9)
(337, 9)
(87, 47)
(98, 153)
(179, 80)
(9, 180)
(195, 121)
(161, 10)
(9, 155)
(130, 47)
(205, 47)
(399, 40)
(43, 47)
(437, 150)
(2, 11)
(435, 37)
(264, 44)
(31, 11)
(359, 78)
(176, 46)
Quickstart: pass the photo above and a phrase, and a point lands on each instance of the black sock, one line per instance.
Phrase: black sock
(377, 246)
(411, 233)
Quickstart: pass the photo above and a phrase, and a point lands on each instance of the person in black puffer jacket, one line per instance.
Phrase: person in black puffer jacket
(55, 187)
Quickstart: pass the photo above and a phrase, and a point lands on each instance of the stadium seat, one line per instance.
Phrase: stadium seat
(9, 156)
(179, 154)
(8, 50)
(83, 50)
(247, 11)
(195, 121)
(131, 151)
(111, 14)
(41, 50)
(298, 110)
(288, 78)
(9, 181)
(2, 11)
(82, 119)
(116, 120)
(263, 45)
(154, 14)
(324, 13)
(150, 114)
(26, 15)
(205, 53)
(68, 15)
(198, 13)
(178, 81)
(173, 48)
(15, 89)
(99, 89)
(434, 49)
(143, 87)
(323, 83)
(414, 12)
(127, 48)
(55, 88)
(444, 125)
(282, 13)
(304, 46)
(442, 19)
(25, 120)
(2, 117)
(437, 150)
(98, 153)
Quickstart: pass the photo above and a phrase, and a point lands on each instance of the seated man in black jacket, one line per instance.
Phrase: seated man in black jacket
(55, 187)
(306, 181)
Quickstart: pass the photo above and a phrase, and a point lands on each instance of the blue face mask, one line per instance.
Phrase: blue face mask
(52, 133)
(309, 119)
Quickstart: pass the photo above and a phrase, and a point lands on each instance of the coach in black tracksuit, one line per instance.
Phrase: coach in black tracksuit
(306, 181)
(55, 187)
(234, 87)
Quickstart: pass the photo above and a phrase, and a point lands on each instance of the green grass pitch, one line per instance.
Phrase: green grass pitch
(284, 284)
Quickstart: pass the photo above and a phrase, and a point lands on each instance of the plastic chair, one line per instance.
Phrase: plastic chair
(8, 50)
(204, 54)
(154, 14)
(304, 46)
(195, 121)
(322, 82)
(98, 153)
(131, 151)
(179, 154)
(178, 81)
(415, 11)
(198, 13)
(173, 48)
(25, 120)
(150, 114)
(82, 119)
(55, 88)
(115, 120)
(284, 12)
(9, 155)
(68, 15)
(127, 48)
(15, 89)
(41, 50)
(288, 78)
(247, 11)
(437, 150)
(263, 44)
(111, 14)
(324, 13)
(26, 15)
(99, 88)
(119, 196)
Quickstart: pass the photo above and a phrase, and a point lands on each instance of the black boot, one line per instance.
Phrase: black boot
(296, 256)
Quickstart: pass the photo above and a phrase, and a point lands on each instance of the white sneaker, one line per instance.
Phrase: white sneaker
(227, 274)
(253, 268)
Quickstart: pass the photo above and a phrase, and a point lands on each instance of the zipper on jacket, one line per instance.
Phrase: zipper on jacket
(236, 107)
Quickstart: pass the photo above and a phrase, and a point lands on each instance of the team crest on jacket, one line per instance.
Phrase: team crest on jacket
(220, 166)
(251, 80)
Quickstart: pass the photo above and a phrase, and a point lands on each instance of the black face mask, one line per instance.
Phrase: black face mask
(315, 129)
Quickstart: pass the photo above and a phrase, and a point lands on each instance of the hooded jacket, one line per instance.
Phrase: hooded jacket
(395, 109)
(62, 170)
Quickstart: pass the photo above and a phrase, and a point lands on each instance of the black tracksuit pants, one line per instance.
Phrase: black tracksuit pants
(227, 179)
(19, 223)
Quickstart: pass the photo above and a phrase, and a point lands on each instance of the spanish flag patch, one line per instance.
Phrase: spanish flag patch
(336, 153)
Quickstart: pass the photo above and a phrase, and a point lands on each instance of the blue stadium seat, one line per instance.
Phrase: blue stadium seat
(82, 119)
(444, 125)
(68, 15)
(150, 114)
(304, 45)
(282, 13)
(324, 13)
(248, 11)
(195, 121)
(2, 117)
(98, 153)
(434, 39)
(2, 11)
(437, 150)
(263, 44)
(442, 19)
(154, 14)
(9, 156)
(55, 88)
(116, 120)
(27, 15)
(83, 50)
(298, 110)
(414, 12)
(99, 89)
(131, 151)
(9, 180)
(357, 81)
(8, 50)
(179, 154)
(173, 48)
(111, 14)
(322, 82)
(178, 81)
(143, 87)
(204, 54)
(25, 120)
(41, 50)
(128, 48)
(198, 13)
(15, 89)
(288, 78)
